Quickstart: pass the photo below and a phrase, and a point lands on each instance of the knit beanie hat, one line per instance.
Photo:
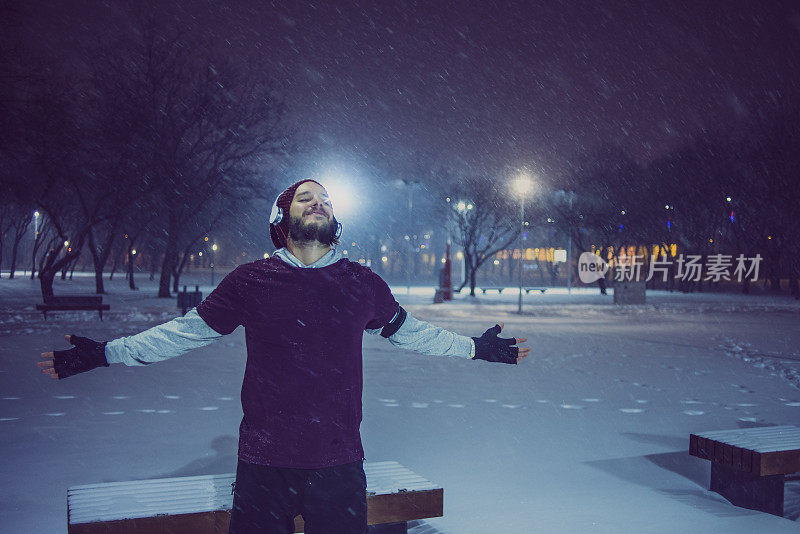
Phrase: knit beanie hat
(278, 231)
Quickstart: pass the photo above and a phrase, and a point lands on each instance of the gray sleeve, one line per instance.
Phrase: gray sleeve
(162, 342)
(426, 338)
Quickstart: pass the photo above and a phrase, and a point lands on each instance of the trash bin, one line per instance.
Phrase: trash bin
(189, 299)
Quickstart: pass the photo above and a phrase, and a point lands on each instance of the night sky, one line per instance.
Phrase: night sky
(398, 90)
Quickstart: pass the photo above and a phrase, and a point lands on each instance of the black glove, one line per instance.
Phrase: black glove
(84, 356)
(491, 348)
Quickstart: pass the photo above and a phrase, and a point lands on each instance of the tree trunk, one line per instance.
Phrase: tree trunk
(114, 267)
(131, 283)
(167, 267)
(472, 280)
(179, 270)
(13, 266)
(98, 267)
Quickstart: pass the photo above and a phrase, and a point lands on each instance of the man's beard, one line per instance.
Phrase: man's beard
(323, 232)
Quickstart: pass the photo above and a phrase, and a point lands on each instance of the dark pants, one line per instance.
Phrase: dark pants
(332, 500)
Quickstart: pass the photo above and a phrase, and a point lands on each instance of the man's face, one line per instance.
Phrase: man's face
(311, 214)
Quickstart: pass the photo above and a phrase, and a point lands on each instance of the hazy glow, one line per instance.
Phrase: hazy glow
(522, 185)
(342, 194)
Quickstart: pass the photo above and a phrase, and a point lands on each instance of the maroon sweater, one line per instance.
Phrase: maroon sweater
(301, 394)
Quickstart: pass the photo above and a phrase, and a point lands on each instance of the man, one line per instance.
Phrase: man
(304, 311)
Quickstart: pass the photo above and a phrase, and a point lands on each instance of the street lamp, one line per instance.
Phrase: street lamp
(522, 186)
(213, 250)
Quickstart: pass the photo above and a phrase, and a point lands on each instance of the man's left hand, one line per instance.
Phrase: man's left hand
(492, 348)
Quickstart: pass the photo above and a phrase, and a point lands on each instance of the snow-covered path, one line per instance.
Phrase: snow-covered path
(589, 434)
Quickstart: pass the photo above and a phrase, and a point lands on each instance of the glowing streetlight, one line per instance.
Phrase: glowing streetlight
(213, 250)
(342, 194)
(522, 187)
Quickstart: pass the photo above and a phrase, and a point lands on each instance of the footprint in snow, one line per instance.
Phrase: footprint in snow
(631, 410)
(391, 405)
(209, 408)
(113, 413)
(225, 398)
(641, 401)
(419, 404)
(747, 404)
(11, 398)
(748, 419)
(542, 401)
(173, 397)
(164, 411)
(120, 397)
(6, 419)
(590, 400)
(793, 404)
(456, 405)
(489, 400)
(572, 406)
(694, 412)
(55, 414)
(63, 397)
(387, 400)
(146, 410)
(690, 401)
(510, 405)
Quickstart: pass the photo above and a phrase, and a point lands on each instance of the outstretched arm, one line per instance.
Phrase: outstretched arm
(410, 333)
(156, 344)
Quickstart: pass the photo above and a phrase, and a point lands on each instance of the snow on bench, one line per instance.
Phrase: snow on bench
(528, 289)
(749, 465)
(498, 289)
(202, 504)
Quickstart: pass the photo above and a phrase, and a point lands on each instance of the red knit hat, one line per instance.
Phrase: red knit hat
(279, 218)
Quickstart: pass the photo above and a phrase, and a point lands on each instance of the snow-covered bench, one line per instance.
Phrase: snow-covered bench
(498, 289)
(749, 465)
(202, 504)
(528, 289)
(72, 303)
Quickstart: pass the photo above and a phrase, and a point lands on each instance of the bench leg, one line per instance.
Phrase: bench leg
(764, 494)
(389, 528)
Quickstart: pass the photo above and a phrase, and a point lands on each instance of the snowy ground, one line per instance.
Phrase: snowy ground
(589, 434)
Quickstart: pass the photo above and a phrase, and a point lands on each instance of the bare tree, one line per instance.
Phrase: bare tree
(201, 124)
(480, 209)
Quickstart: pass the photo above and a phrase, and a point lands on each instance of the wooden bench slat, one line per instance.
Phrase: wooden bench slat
(395, 494)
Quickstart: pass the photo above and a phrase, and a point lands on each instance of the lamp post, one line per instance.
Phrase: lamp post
(522, 186)
(213, 256)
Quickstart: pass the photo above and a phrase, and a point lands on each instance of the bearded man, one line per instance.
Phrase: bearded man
(304, 311)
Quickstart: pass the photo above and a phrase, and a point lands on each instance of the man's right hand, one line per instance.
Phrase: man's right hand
(84, 356)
